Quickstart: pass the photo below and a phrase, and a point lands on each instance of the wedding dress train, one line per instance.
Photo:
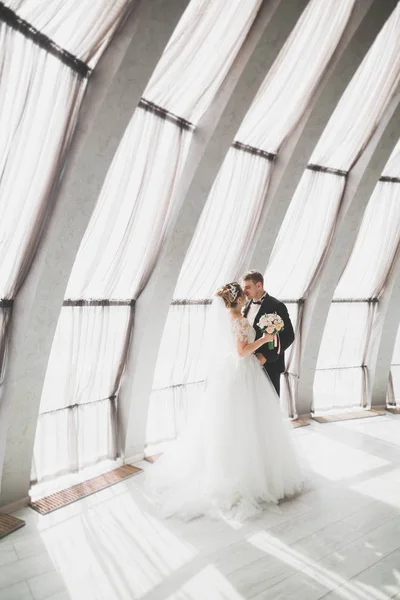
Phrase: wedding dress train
(236, 453)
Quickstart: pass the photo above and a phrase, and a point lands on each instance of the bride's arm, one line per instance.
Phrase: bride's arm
(245, 349)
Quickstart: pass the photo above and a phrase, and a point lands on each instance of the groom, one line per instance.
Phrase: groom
(260, 303)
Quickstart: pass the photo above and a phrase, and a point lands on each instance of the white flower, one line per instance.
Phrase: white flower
(263, 322)
(272, 323)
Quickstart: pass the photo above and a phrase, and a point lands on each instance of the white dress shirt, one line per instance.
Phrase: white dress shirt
(253, 310)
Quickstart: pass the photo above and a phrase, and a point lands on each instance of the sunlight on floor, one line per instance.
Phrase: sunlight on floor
(385, 487)
(117, 548)
(339, 540)
(381, 429)
(335, 460)
(315, 571)
(209, 584)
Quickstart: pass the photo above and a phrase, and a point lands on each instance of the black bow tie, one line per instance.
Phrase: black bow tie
(260, 301)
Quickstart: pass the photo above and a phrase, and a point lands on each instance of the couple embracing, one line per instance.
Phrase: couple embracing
(236, 453)
(260, 303)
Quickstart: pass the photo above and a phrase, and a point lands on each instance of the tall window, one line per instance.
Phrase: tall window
(342, 377)
(77, 423)
(229, 224)
(46, 61)
(306, 232)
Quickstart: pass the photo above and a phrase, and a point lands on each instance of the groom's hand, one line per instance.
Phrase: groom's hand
(261, 358)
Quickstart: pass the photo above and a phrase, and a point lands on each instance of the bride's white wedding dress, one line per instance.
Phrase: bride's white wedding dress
(236, 453)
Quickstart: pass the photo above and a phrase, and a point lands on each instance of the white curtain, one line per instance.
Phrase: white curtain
(40, 97)
(134, 210)
(364, 101)
(115, 258)
(233, 210)
(82, 27)
(350, 326)
(179, 375)
(230, 221)
(101, 329)
(304, 235)
(393, 398)
(309, 223)
(340, 380)
(64, 425)
(200, 54)
(78, 437)
(226, 227)
(375, 247)
(313, 210)
(394, 383)
(123, 238)
(39, 104)
(286, 91)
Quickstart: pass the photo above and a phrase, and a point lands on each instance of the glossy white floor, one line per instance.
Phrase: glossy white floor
(339, 540)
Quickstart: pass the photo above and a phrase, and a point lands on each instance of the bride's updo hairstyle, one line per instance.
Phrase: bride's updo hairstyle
(230, 293)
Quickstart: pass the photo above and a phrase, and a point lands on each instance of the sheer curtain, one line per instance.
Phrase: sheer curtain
(82, 27)
(127, 229)
(77, 422)
(229, 223)
(393, 398)
(342, 373)
(293, 262)
(40, 97)
(190, 72)
(340, 380)
(39, 103)
(131, 216)
(178, 381)
(309, 223)
(359, 290)
(293, 78)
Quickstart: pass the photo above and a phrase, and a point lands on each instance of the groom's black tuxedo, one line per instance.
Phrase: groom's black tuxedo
(275, 364)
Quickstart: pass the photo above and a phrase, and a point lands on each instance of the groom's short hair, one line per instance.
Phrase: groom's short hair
(254, 276)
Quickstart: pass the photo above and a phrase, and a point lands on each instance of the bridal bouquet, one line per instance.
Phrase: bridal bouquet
(272, 324)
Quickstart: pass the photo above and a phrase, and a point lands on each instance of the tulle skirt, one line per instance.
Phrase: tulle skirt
(235, 455)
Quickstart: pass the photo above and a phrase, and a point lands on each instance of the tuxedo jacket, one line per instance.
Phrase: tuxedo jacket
(275, 362)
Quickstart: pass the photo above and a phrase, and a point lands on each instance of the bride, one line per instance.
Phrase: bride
(236, 452)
